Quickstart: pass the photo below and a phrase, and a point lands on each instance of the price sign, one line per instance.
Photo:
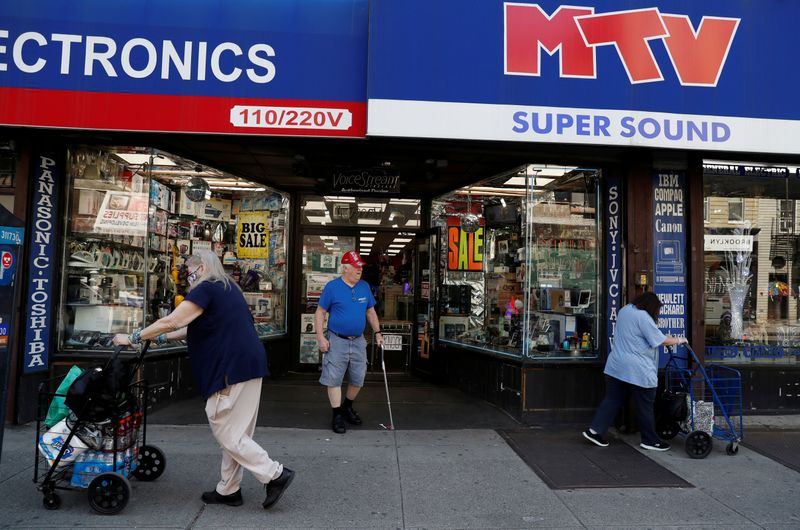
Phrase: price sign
(393, 342)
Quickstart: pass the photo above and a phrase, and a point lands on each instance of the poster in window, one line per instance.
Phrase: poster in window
(252, 235)
(465, 249)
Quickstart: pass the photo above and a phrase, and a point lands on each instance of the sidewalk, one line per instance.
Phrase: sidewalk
(374, 479)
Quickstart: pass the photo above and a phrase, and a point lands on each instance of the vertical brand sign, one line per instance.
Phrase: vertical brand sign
(669, 253)
(42, 249)
(613, 255)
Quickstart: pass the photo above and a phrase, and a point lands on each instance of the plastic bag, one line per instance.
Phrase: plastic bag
(58, 409)
(672, 406)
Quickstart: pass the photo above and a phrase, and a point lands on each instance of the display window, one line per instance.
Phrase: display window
(751, 263)
(519, 262)
(135, 215)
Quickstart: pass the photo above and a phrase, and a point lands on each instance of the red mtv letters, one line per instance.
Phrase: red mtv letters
(697, 56)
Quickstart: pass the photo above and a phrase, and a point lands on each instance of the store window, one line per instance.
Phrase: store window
(519, 263)
(752, 264)
(135, 215)
(736, 210)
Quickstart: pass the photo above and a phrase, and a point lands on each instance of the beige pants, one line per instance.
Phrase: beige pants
(232, 416)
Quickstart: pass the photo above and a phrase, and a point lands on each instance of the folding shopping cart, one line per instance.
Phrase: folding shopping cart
(712, 397)
(100, 443)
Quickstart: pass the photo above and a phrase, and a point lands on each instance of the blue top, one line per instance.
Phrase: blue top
(223, 345)
(634, 353)
(347, 306)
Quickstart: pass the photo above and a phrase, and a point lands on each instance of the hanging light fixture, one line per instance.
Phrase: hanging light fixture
(469, 221)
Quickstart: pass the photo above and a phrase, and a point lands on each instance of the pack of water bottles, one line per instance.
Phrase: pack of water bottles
(91, 463)
(111, 446)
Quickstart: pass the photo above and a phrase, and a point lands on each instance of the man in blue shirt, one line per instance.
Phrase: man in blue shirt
(349, 303)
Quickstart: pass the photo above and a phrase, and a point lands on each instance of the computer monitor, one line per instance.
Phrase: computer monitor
(668, 258)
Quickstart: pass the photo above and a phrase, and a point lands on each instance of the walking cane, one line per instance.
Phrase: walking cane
(389, 427)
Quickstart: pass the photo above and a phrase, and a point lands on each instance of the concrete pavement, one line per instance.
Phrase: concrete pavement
(434, 479)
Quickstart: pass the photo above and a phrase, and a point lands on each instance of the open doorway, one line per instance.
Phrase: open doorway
(384, 232)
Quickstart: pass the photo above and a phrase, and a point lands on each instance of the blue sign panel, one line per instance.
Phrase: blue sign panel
(715, 74)
(39, 295)
(232, 66)
(669, 253)
(614, 223)
(11, 235)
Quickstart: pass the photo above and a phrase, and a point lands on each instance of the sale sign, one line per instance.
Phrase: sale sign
(252, 235)
(465, 249)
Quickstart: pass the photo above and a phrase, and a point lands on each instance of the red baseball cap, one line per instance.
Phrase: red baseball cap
(352, 258)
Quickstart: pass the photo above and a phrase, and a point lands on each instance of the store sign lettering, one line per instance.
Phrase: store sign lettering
(371, 181)
(669, 251)
(44, 228)
(698, 55)
(137, 58)
(613, 256)
(465, 249)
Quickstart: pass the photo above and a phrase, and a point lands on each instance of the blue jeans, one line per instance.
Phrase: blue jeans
(617, 394)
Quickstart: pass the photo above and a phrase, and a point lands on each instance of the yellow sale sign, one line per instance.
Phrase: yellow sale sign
(252, 235)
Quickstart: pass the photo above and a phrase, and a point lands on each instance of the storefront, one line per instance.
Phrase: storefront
(507, 202)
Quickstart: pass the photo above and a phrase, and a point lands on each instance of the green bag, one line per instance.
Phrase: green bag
(58, 409)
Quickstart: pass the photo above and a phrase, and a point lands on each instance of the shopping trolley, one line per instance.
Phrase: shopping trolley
(712, 404)
(99, 445)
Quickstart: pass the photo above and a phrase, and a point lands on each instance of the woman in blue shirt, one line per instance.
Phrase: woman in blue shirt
(229, 363)
(632, 368)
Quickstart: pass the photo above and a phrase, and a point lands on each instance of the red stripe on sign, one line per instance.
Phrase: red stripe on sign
(195, 114)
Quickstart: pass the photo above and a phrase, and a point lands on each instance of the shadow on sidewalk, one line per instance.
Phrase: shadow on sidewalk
(303, 403)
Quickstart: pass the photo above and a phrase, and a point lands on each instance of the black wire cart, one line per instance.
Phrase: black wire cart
(99, 445)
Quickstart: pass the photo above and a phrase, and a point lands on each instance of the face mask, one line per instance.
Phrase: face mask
(192, 277)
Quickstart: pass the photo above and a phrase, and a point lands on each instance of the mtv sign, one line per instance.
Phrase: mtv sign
(697, 54)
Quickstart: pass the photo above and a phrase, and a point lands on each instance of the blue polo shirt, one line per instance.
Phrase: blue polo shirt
(223, 345)
(634, 354)
(347, 306)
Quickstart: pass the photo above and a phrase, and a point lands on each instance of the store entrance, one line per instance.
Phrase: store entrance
(385, 235)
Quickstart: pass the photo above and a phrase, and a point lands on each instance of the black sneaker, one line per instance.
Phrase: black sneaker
(276, 487)
(351, 416)
(595, 438)
(338, 424)
(658, 446)
(212, 497)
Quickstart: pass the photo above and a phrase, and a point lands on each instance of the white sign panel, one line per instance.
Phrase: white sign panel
(728, 243)
(393, 342)
(122, 213)
(521, 123)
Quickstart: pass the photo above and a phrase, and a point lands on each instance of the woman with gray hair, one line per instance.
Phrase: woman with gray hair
(229, 363)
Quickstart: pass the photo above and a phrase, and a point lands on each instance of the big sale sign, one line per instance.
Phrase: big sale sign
(669, 73)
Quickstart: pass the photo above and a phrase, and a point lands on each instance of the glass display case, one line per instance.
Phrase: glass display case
(519, 261)
(131, 225)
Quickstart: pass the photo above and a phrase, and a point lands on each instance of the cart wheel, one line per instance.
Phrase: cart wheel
(150, 463)
(732, 448)
(667, 430)
(51, 501)
(109, 493)
(698, 444)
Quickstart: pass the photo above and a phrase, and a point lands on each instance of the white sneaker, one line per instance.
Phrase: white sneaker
(658, 446)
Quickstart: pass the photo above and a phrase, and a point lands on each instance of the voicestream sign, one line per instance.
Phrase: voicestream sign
(667, 73)
(235, 66)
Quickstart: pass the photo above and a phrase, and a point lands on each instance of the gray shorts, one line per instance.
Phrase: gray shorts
(344, 357)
